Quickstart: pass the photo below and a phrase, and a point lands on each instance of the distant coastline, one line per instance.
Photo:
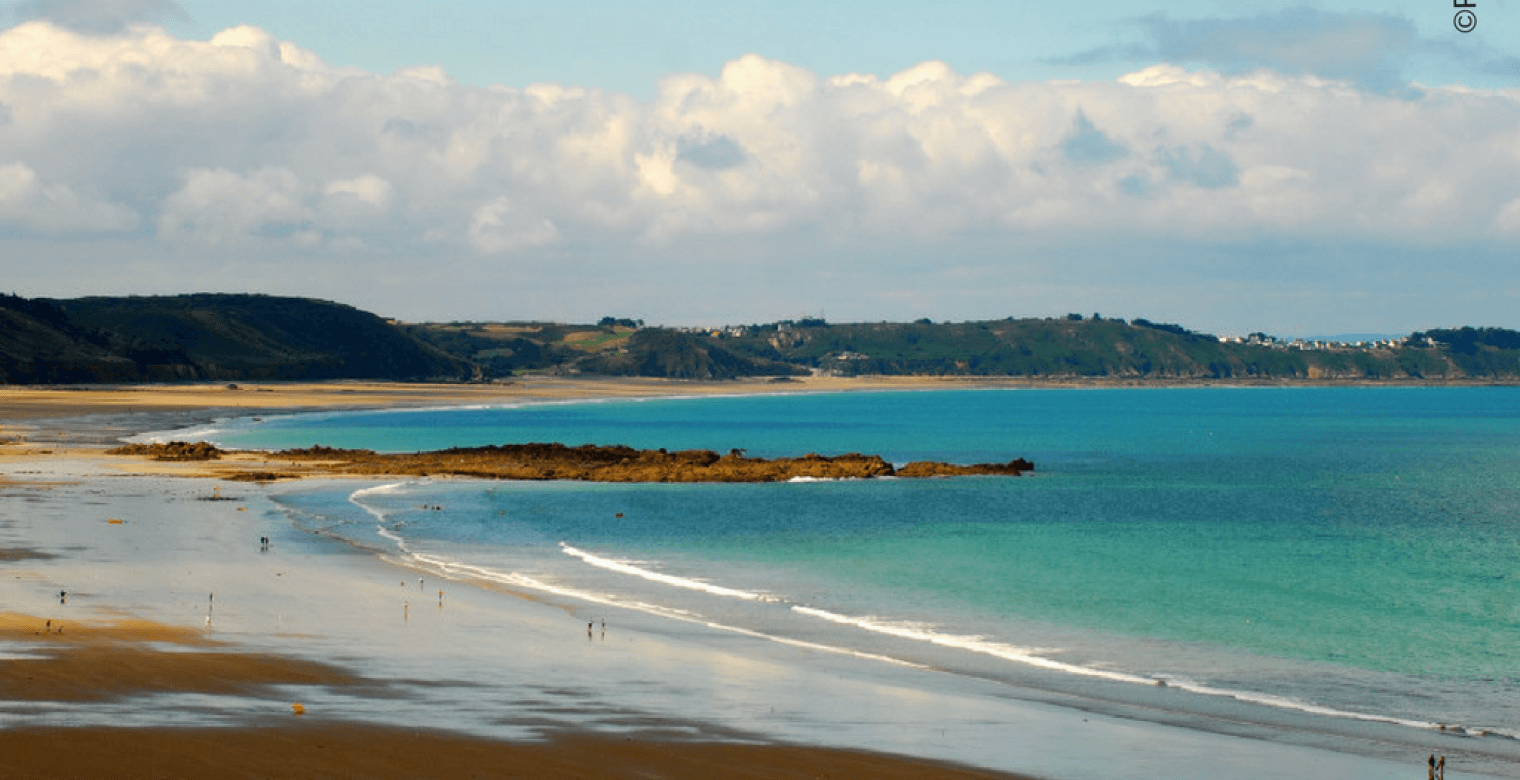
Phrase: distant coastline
(260, 338)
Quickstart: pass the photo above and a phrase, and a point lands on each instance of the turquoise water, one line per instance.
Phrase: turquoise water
(1350, 551)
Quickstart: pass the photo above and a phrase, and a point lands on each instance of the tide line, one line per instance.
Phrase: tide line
(357, 499)
(624, 567)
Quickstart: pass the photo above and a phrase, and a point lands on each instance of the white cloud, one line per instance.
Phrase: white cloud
(371, 191)
(247, 141)
(222, 206)
(244, 135)
(27, 204)
(498, 226)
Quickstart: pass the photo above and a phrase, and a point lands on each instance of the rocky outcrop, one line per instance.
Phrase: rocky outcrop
(592, 463)
(928, 468)
(172, 451)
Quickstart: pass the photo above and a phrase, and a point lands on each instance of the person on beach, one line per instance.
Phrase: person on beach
(1431, 774)
(1441, 768)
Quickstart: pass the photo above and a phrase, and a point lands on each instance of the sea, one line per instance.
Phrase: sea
(1340, 561)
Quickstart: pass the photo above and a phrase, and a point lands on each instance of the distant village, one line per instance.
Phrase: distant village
(1253, 339)
(1272, 342)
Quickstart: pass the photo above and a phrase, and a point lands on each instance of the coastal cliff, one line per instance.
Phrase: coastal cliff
(590, 463)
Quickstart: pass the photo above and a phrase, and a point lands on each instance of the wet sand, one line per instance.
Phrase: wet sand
(94, 661)
(103, 661)
(379, 752)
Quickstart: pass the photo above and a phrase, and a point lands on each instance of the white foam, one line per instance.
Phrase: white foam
(194, 433)
(1288, 703)
(357, 499)
(627, 567)
(1024, 655)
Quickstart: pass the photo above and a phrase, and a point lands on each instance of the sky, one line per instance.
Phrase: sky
(1299, 169)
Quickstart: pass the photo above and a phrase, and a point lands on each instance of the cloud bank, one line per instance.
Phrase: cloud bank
(249, 143)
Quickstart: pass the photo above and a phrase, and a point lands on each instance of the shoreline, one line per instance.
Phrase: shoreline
(60, 479)
(55, 443)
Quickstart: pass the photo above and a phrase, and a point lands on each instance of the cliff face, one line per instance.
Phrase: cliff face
(592, 463)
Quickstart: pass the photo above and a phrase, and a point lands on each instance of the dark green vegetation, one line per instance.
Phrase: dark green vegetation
(207, 336)
(612, 347)
(197, 337)
(1074, 347)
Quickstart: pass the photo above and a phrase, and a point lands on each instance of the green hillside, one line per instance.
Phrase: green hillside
(1098, 348)
(207, 336)
(613, 348)
(657, 352)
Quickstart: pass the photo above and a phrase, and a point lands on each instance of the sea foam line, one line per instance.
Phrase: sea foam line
(625, 567)
(1030, 657)
(357, 499)
(458, 569)
(976, 644)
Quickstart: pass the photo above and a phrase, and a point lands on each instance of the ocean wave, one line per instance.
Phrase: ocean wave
(203, 432)
(627, 567)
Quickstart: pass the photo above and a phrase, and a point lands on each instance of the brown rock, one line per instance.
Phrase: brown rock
(614, 463)
(174, 450)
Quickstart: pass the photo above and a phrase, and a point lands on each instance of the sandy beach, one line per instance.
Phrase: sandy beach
(79, 658)
(150, 632)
